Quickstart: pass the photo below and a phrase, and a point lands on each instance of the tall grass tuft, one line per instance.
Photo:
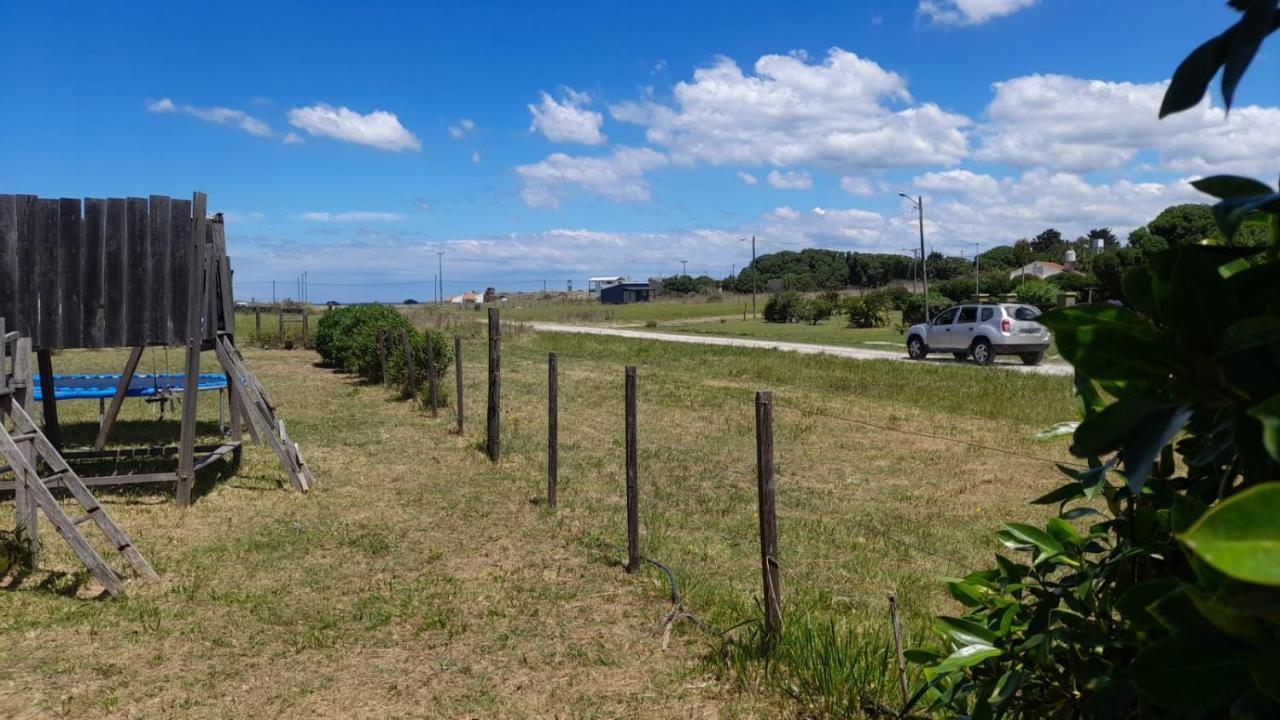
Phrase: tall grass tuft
(830, 668)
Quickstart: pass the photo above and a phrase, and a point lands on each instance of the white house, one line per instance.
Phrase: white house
(1040, 269)
(596, 284)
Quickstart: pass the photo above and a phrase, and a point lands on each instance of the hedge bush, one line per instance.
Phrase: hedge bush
(347, 340)
(782, 306)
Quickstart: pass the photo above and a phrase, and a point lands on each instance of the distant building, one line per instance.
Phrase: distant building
(596, 284)
(1039, 269)
(624, 293)
(466, 298)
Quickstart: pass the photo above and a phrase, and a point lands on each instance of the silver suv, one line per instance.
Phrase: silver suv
(982, 332)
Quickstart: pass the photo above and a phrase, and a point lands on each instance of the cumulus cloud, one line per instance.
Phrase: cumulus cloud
(356, 216)
(216, 115)
(790, 180)
(856, 186)
(1077, 125)
(970, 12)
(747, 178)
(462, 128)
(844, 113)
(379, 129)
(619, 176)
(567, 121)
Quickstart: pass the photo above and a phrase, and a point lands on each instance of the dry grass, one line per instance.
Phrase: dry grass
(419, 580)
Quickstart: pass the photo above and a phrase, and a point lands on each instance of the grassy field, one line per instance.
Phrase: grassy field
(420, 580)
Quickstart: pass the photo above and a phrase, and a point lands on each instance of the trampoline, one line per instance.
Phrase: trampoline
(101, 387)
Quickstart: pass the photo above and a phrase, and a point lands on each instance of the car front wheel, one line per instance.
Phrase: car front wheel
(1032, 358)
(982, 352)
(916, 349)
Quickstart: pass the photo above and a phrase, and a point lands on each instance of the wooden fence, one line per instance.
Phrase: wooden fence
(106, 272)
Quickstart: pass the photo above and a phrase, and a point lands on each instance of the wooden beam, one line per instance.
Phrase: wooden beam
(197, 300)
(48, 401)
(117, 400)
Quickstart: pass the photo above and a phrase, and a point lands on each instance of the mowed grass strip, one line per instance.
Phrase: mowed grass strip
(421, 580)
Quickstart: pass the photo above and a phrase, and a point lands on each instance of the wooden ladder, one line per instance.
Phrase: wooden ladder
(256, 405)
(16, 455)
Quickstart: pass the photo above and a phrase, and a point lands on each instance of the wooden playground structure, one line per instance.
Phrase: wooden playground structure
(116, 273)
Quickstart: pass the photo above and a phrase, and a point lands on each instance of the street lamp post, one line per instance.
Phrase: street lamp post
(977, 262)
(440, 273)
(924, 263)
(755, 274)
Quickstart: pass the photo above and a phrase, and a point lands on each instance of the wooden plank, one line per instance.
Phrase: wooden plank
(768, 517)
(48, 274)
(633, 473)
(265, 430)
(179, 270)
(192, 332)
(93, 328)
(117, 400)
(493, 413)
(49, 404)
(28, 252)
(70, 262)
(210, 283)
(137, 255)
(227, 323)
(9, 261)
(115, 294)
(159, 229)
(28, 519)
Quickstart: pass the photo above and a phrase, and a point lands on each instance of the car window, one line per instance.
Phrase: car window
(968, 314)
(946, 317)
(1025, 312)
(987, 313)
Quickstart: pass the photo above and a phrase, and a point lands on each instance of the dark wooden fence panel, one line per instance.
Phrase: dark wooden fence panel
(70, 245)
(160, 328)
(108, 272)
(135, 267)
(94, 272)
(48, 275)
(116, 293)
(9, 259)
(179, 256)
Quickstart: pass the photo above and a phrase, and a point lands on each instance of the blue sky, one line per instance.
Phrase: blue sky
(555, 141)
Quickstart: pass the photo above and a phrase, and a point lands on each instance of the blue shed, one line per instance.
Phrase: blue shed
(624, 293)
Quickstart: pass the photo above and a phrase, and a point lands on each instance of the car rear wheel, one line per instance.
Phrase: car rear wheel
(982, 352)
(1032, 358)
(916, 349)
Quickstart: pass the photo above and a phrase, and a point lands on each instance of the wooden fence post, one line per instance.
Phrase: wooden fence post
(409, 375)
(494, 415)
(44, 360)
(306, 324)
(633, 472)
(457, 371)
(553, 429)
(897, 647)
(28, 519)
(382, 355)
(768, 518)
(257, 321)
(431, 377)
(280, 319)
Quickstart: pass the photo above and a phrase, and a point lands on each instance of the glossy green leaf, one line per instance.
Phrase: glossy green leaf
(1253, 27)
(1241, 536)
(1058, 430)
(1268, 413)
(1136, 602)
(1146, 440)
(964, 632)
(1066, 493)
(966, 657)
(1191, 79)
(1029, 536)
(1189, 673)
(1230, 214)
(1106, 342)
(1184, 511)
(1249, 333)
(1229, 186)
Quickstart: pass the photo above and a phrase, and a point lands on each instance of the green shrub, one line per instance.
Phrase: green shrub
(913, 308)
(813, 310)
(895, 296)
(868, 311)
(1034, 291)
(347, 339)
(956, 290)
(396, 367)
(781, 307)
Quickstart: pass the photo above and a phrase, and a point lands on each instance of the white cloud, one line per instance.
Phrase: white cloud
(567, 121)
(356, 216)
(293, 139)
(1078, 125)
(845, 113)
(618, 177)
(475, 156)
(378, 129)
(216, 115)
(856, 186)
(790, 180)
(747, 178)
(972, 207)
(970, 12)
(462, 128)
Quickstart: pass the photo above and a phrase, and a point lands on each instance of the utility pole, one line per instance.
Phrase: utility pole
(273, 292)
(924, 263)
(977, 261)
(440, 272)
(755, 274)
